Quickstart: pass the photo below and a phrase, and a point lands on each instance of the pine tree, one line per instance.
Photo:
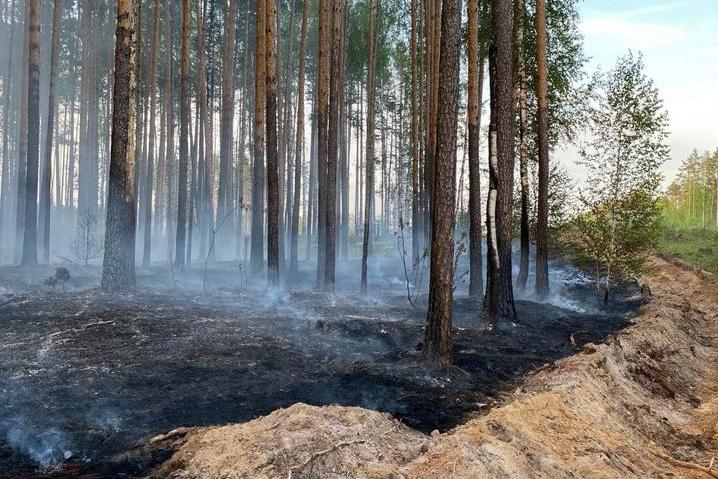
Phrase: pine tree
(118, 268)
(438, 350)
(29, 244)
(542, 281)
(499, 292)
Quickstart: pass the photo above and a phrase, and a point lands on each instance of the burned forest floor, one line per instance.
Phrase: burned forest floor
(86, 377)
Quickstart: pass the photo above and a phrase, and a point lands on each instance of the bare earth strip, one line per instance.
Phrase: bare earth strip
(643, 404)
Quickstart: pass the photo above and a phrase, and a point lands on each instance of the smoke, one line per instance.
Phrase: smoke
(46, 446)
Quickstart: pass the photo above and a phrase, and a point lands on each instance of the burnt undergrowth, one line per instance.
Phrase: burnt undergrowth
(86, 376)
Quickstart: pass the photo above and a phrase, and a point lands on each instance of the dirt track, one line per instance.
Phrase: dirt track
(641, 404)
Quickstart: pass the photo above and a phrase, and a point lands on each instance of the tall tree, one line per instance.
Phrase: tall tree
(224, 191)
(299, 147)
(542, 282)
(438, 328)
(374, 8)
(118, 268)
(184, 141)
(333, 146)
(415, 213)
(520, 89)
(205, 206)
(147, 239)
(21, 137)
(257, 240)
(475, 81)
(8, 86)
(29, 243)
(46, 177)
(272, 153)
(322, 87)
(499, 294)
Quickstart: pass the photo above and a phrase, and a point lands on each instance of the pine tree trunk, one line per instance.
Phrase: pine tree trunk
(272, 153)
(21, 137)
(257, 252)
(224, 191)
(118, 269)
(475, 83)
(415, 213)
(344, 140)
(542, 282)
(499, 294)
(298, 153)
(147, 244)
(243, 138)
(184, 141)
(45, 193)
(5, 185)
(438, 349)
(333, 148)
(29, 244)
(323, 64)
(523, 159)
(374, 15)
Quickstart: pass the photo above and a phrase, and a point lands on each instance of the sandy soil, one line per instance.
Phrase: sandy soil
(643, 403)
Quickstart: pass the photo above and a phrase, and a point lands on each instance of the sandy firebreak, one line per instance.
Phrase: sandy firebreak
(644, 403)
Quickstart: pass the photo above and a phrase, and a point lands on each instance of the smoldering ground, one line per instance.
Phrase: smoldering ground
(85, 376)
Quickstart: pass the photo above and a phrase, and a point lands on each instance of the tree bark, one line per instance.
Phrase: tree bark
(438, 349)
(499, 294)
(542, 281)
(21, 137)
(184, 141)
(415, 213)
(224, 191)
(298, 153)
(374, 16)
(323, 63)
(475, 84)
(523, 160)
(118, 269)
(333, 147)
(29, 243)
(257, 247)
(147, 240)
(272, 153)
(45, 190)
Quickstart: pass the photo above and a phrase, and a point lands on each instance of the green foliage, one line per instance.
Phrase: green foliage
(692, 199)
(612, 239)
(697, 246)
(568, 93)
(627, 145)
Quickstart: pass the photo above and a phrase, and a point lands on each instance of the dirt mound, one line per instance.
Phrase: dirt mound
(642, 404)
(300, 441)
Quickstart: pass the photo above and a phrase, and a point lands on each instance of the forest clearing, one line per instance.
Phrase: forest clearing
(358, 239)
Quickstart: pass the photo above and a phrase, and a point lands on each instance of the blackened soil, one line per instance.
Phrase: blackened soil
(85, 376)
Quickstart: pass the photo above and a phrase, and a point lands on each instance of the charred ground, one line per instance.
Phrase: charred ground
(87, 376)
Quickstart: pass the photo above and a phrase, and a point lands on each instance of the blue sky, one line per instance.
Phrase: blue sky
(679, 41)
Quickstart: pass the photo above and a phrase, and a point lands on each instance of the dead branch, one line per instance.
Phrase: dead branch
(687, 465)
(215, 230)
(324, 452)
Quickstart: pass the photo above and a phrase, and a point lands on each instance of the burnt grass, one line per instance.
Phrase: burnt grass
(85, 376)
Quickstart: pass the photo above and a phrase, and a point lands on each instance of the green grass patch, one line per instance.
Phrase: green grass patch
(696, 246)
